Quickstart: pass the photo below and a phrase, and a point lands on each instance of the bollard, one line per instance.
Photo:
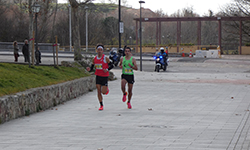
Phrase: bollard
(190, 54)
(183, 55)
(219, 53)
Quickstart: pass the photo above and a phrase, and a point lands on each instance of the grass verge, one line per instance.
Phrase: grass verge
(17, 77)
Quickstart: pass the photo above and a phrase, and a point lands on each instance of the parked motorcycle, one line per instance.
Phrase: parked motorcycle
(121, 53)
(160, 63)
(114, 57)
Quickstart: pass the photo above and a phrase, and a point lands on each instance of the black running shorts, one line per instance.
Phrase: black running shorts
(128, 78)
(103, 81)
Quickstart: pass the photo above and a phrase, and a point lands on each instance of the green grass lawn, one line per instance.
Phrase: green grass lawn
(16, 77)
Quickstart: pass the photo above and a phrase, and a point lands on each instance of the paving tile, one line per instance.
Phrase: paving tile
(186, 116)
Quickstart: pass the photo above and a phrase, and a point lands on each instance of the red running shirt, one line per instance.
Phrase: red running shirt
(101, 64)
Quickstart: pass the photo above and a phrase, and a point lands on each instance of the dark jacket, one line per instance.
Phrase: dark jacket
(25, 49)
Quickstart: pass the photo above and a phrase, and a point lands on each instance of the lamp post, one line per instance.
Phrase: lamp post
(119, 24)
(36, 8)
(70, 31)
(140, 37)
(86, 8)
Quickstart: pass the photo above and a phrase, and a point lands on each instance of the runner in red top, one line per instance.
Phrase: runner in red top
(102, 65)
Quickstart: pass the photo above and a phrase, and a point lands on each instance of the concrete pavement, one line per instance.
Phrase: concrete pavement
(171, 111)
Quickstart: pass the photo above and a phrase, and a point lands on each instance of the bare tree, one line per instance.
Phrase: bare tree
(209, 31)
(4, 22)
(75, 21)
(95, 30)
(231, 29)
(110, 29)
(20, 21)
(160, 13)
(62, 28)
(124, 2)
(45, 19)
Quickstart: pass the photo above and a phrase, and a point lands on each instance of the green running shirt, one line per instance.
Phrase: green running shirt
(125, 67)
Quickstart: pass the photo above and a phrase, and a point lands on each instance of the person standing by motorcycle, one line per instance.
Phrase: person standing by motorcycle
(102, 65)
(167, 51)
(127, 64)
(156, 51)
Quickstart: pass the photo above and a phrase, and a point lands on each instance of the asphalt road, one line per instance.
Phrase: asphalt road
(208, 66)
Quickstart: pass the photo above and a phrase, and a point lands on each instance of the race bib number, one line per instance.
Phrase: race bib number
(98, 66)
(128, 70)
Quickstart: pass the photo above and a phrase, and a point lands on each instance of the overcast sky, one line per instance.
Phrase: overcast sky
(170, 6)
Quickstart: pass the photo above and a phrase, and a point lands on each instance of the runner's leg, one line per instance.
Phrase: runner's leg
(104, 89)
(130, 88)
(123, 85)
(99, 94)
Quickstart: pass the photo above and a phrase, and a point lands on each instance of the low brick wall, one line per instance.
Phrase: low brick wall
(42, 98)
(245, 50)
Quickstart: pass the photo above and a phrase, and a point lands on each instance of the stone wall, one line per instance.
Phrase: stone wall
(42, 98)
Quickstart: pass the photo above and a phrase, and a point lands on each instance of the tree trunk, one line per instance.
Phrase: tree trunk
(75, 27)
(30, 26)
(76, 34)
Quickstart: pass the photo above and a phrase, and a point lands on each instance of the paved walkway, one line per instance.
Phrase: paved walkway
(171, 111)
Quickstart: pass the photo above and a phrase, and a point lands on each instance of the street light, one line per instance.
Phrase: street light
(140, 37)
(86, 8)
(36, 8)
(70, 31)
(119, 24)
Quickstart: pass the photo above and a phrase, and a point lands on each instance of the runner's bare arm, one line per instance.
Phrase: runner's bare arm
(121, 59)
(92, 66)
(109, 63)
(134, 63)
(107, 60)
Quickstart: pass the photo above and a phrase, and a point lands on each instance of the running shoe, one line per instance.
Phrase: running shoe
(129, 106)
(124, 98)
(107, 91)
(101, 108)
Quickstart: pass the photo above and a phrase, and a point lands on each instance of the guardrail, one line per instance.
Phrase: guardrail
(9, 46)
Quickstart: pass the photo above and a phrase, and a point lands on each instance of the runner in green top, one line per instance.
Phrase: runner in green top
(128, 64)
(126, 69)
